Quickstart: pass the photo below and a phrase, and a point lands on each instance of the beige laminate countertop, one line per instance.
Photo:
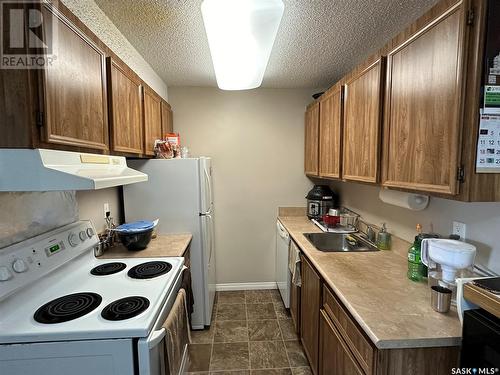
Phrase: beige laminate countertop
(164, 245)
(394, 311)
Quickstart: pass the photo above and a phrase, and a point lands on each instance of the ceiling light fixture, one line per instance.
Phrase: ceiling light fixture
(241, 35)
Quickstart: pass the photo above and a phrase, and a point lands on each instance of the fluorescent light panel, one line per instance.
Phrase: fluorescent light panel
(241, 35)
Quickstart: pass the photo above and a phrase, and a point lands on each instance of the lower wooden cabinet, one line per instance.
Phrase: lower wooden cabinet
(335, 344)
(295, 306)
(310, 299)
(355, 338)
(335, 358)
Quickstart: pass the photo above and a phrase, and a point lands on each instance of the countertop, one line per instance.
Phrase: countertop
(164, 245)
(394, 311)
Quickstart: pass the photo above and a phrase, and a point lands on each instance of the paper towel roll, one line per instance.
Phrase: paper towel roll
(415, 202)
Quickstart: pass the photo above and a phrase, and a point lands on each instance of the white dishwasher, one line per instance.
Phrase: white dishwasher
(283, 275)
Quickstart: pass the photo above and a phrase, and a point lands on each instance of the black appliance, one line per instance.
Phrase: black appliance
(319, 200)
(481, 341)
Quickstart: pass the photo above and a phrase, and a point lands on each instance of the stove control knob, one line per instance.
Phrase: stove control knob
(5, 274)
(90, 232)
(83, 235)
(19, 266)
(73, 239)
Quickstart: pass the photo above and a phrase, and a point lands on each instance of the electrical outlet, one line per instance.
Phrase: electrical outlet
(459, 229)
(106, 209)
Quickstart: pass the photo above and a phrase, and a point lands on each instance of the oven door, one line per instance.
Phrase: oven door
(150, 349)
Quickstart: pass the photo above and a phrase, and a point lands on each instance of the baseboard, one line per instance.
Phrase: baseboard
(245, 286)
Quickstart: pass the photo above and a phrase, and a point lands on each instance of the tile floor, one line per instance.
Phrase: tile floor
(251, 334)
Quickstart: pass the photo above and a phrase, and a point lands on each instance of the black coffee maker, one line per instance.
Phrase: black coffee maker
(319, 200)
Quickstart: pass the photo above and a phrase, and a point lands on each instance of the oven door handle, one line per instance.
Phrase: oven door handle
(156, 336)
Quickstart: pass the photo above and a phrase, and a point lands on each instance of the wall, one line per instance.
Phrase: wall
(91, 206)
(256, 140)
(482, 219)
(97, 21)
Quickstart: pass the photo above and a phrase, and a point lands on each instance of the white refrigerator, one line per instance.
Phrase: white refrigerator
(179, 193)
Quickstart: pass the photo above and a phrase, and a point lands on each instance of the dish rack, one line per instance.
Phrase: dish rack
(348, 222)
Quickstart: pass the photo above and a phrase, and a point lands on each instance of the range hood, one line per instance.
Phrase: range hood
(50, 170)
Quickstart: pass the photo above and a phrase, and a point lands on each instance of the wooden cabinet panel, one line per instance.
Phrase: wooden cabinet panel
(330, 125)
(295, 306)
(361, 347)
(311, 140)
(125, 101)
(423, 106)
(310, 299)
(167, 118)
(152, 120)
(335, 357)
(417, 361)
(74, 88)
(362, 118)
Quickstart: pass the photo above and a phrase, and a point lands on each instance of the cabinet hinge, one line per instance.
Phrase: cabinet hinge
(461, 174)
(39, 119)
(470, 17)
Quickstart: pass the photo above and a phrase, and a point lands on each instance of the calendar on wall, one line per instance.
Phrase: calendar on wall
(488, 138)
(488, 144)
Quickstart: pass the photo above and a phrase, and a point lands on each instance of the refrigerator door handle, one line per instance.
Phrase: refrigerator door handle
(209, 186)
(211, 234)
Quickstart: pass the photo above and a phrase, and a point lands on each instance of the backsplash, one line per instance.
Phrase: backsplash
(28, 214)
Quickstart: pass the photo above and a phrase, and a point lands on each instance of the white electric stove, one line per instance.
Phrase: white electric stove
(64, 311)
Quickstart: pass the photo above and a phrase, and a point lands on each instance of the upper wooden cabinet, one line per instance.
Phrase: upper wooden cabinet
(423, 105)
(330, 132)
(167, 118)
(85, 99)
(74, 88)
(126, 110)
(311, 139)
(362, 123)
(152, 120)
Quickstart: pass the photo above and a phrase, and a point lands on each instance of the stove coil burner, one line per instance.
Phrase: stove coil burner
(125, 308)
(67, 308)
(108, 268)
(149, 270)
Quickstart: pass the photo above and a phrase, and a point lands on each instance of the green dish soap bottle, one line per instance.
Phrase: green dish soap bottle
(414, 260)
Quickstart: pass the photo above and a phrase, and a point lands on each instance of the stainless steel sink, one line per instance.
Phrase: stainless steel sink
(337, 242)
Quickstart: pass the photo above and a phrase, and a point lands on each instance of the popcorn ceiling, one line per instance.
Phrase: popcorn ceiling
(318, 41)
